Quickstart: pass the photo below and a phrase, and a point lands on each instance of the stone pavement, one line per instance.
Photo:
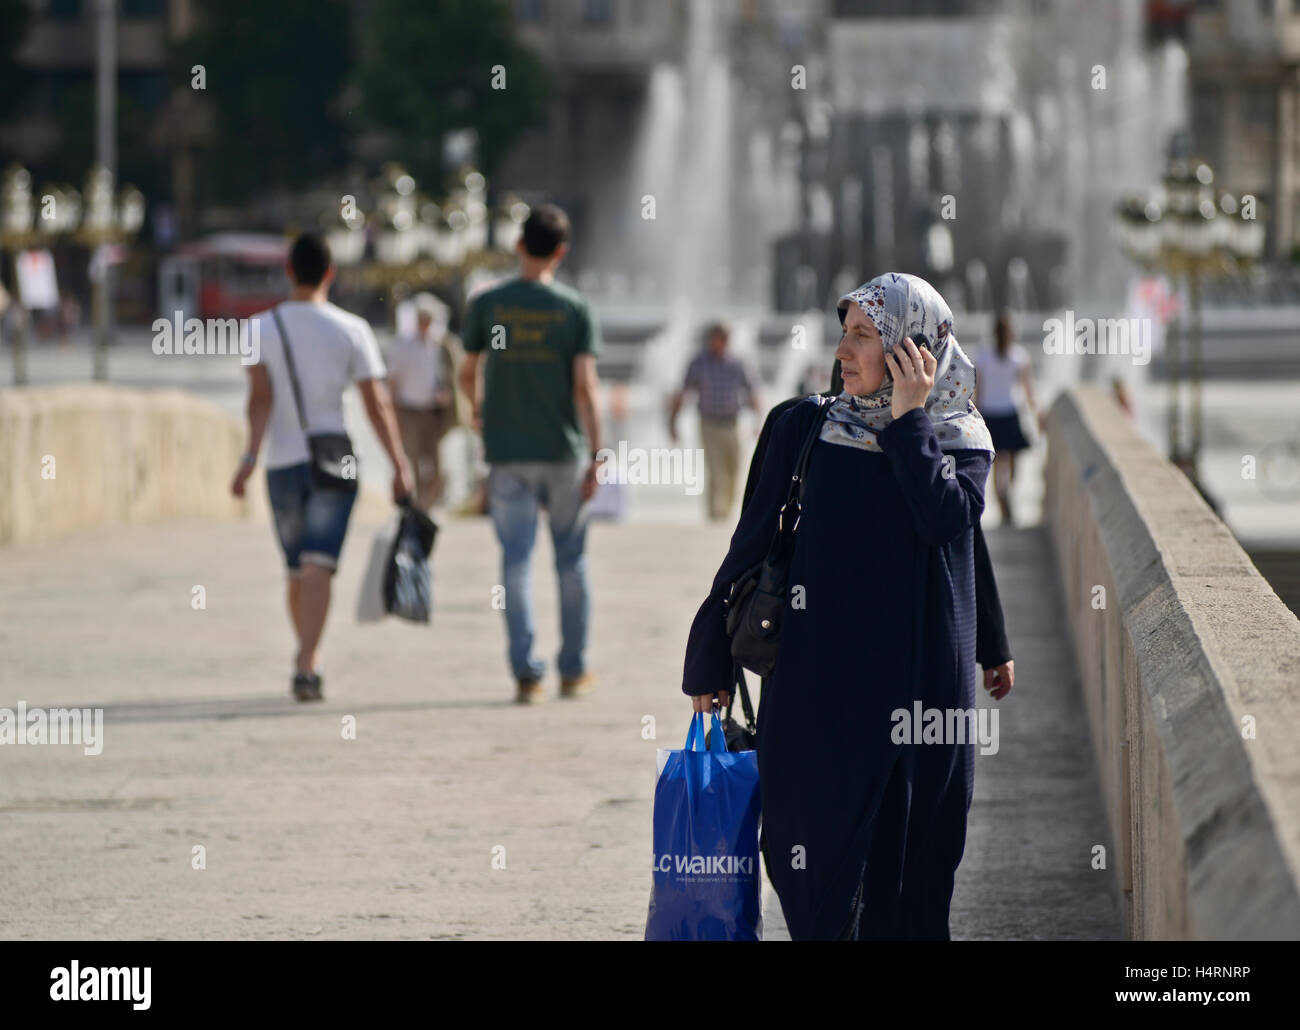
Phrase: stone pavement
(393, 834)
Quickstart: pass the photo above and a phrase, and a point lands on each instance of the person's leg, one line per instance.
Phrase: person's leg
(1001, 464)
(326, 526)
(287, 490)
(439, 424)
(295, 603)
(881, 918)
(428, 459)
(1006, 489)
(513, 505)
(567, 516)
(942, 790)
(313, 606)
(712, 444)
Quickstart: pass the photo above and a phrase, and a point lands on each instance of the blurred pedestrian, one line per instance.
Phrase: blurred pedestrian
(723, 384)
(1119, 390)
(536, 342)
(310, 352)
(422, 370)
(1003, 383)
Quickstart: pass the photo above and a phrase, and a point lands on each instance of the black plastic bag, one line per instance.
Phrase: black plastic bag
(408, 580)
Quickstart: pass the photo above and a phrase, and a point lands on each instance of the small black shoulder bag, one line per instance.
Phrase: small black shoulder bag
(333, 462)
(740, 736)
(755, 605)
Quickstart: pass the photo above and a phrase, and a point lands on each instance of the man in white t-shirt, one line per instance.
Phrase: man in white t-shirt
(326, 350)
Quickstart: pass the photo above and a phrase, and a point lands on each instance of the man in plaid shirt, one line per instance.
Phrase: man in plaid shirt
(724, 384)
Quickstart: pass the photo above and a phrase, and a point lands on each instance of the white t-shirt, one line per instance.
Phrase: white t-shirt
(415, 365)
(998, 379)
(331, 350)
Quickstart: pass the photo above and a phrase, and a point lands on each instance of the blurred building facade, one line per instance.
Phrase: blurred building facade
(157, 126)
(982, 144)
(796, 146)
(1244, 72)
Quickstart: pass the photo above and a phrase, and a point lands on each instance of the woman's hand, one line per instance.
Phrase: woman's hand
(704, 702)
(999, 680)
(913, 372)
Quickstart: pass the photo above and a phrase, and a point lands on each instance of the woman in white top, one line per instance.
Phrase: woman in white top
(1002, 376)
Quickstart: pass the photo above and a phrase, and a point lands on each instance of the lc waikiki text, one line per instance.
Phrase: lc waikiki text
(705, 865)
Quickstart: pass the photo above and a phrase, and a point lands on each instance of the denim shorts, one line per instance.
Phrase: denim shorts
(310, 522)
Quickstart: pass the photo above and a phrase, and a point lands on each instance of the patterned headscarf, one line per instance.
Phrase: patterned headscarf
(902, 305)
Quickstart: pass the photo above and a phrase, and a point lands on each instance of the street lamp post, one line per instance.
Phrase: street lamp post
(102, 219)
(420, 243)
(1189, 230)
(107, 221)
(16, 235)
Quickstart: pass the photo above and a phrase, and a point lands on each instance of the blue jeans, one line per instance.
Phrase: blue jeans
(516, 491)
(310, 523)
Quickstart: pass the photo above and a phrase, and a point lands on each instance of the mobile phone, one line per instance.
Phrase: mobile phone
(922, 343)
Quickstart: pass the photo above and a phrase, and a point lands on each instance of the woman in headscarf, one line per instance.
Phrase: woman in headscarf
(863, 827)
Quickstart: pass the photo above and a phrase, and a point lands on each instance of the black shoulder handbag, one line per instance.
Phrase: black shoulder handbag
(333, 463)
(755, 605)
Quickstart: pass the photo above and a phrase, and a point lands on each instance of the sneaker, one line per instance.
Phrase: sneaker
(307, 687)
(577, 686)
(529, 692)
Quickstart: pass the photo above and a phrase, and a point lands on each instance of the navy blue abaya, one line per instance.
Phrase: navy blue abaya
(861, 835)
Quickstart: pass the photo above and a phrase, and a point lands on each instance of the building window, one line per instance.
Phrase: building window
(530, 10)
(598, 12)
(1258, 106)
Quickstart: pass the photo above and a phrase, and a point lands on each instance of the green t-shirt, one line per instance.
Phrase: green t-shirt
(528, 333)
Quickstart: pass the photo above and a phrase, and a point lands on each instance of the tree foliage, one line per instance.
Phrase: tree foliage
(427, 68)
(15, 20)
(275, 75)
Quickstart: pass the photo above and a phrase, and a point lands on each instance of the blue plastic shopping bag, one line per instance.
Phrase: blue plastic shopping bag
(706, 876)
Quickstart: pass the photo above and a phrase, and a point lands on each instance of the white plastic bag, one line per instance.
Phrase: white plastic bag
(370, 603)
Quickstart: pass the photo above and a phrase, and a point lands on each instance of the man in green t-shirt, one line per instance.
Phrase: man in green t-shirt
(536, 343)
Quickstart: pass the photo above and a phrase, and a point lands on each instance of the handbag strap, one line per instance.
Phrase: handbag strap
(742, 688)
(799, 480)
(293, 372)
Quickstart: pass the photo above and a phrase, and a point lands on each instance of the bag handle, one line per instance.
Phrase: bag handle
(695, 735)
(293, 372)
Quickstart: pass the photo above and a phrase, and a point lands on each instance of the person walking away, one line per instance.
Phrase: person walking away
(310, 352)
(723, 384)
(1003, 375)
(535, 342)
(422, 370)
